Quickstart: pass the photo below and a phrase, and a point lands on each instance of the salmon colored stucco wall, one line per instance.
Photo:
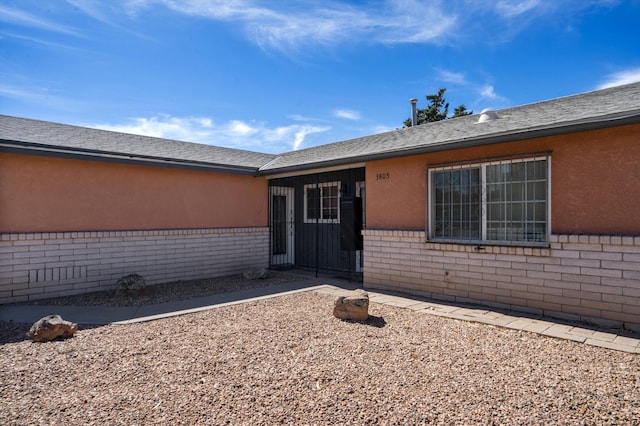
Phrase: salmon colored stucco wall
(39, 194)
(595, 182)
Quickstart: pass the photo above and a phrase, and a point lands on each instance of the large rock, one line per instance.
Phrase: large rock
(51, 327)
(256, 275)
(354, 306)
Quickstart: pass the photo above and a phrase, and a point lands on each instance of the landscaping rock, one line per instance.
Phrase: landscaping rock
(354, 306)
(131, 284)
(51, 327)
(256, 275)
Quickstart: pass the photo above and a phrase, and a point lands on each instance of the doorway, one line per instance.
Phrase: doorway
(308, 235)
(282, 225)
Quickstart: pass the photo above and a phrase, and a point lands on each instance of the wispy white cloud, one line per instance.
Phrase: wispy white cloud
(104, 12)
(288, 27)
(240, 129)
(619, 78)
(21, 94)
(451, 77)
(484, 90)
(382, 129)
(512, 8)
(38, 97)
(297, 132)
(291, 26)
(20, 17)
(487, 91)
(299, 117)
(489, 98)
(499, 22)
(347, 114)
(41, 41)
(195, 129)
(94, 9)
(234, 134)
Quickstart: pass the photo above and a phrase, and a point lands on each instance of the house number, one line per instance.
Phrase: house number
(383, 176)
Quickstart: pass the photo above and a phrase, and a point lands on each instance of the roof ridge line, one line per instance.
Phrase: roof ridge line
(267, 164)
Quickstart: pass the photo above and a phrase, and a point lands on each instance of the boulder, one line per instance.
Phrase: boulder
(132, 284)
(256, 275)
(51, 327)
(354, 306)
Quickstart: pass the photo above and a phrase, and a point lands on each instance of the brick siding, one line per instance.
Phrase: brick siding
(42, 265)
(579, 277)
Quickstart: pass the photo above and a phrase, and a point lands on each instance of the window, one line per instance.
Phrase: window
(322, 202)
(494, 202)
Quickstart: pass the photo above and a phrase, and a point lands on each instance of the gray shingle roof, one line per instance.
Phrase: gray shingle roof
(587, 110)
(46, 135)
(572, 113)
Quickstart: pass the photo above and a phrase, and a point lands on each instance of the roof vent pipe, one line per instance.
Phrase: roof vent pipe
(414, 113)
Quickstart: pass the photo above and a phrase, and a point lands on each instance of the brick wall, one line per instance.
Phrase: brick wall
(42, 265)
(580, 277)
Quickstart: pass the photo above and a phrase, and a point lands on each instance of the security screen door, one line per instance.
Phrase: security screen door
(282, 226)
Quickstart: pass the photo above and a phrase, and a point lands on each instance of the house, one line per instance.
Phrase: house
(533, 208)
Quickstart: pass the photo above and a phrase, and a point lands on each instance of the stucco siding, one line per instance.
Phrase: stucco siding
(43, 265)
(41, 194)
(595, 182)
(580, 277)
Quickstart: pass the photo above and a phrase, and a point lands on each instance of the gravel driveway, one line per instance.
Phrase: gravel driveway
(287, 360)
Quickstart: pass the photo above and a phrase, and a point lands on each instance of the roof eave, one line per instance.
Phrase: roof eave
(16, 147)
(511, 136)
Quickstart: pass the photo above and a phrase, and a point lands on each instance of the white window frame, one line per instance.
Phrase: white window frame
(320, 218)
(483, 202)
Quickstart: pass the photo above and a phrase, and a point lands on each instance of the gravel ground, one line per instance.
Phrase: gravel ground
(177, 290)
(287, 360)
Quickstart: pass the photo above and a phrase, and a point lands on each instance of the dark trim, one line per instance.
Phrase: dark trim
(596, 123)
(14, 147)
(521, 156)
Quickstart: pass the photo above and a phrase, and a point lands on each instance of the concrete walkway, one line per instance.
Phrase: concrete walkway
(604, 338)
(96, 315)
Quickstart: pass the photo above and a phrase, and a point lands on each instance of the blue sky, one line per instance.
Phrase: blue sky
(275, 76)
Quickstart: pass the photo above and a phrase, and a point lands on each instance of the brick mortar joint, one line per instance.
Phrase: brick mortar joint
(22, 236)
(557, 240)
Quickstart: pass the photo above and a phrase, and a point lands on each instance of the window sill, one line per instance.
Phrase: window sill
(321, 221)
(541, 249)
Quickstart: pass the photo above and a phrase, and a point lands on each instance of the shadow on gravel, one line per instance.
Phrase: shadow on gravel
(14, 332)
(373, 321)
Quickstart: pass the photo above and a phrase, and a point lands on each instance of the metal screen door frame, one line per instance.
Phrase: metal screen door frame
(282, 225)
(361, 192)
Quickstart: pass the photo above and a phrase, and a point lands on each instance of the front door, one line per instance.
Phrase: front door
(282, 226)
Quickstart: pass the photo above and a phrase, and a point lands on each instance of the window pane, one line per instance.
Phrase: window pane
(330, 202)
(537, 170)
(537, 212)
(537, 190)
(517, 172)
(494, 192)
(495, 211)
(516, 196)
(514, 212)
(515, 191)
(456, 208)
(313, 203)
